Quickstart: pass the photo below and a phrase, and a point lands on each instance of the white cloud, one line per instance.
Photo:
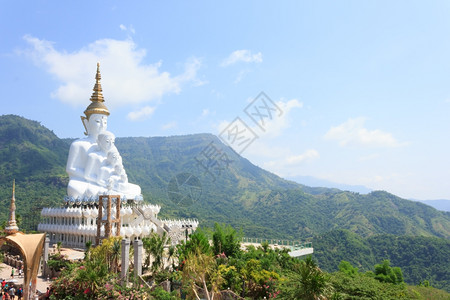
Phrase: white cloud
(369, 157)
(308, 155)
(273, 127)
(242, 56)
(129, 28)
(125, 78)
(289, 165)
(279, 122)
(241, 75)
(169, 125)
(141, 114)
(205, 112)
(352, 132)
(273, 148)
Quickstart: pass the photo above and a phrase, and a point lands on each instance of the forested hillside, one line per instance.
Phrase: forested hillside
(421, 258)
(35, 157)
(234, 191)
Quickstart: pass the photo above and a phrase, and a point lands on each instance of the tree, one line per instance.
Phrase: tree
(259, 281)
(87, 252)
(108, 252)
(307, 282)
(226, 240)
(199, 272)
(154, 247)
(115, 255)
(384, 273)
(197, 242)
(347, 268)
(58, 247)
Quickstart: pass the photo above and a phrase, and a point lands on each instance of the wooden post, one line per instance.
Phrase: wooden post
(99, 220)
(108, 222)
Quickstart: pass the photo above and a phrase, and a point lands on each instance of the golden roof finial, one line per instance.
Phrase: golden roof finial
(97, 106)
(12, 225)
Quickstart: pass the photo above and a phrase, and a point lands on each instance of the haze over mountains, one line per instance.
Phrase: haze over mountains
(439, 204)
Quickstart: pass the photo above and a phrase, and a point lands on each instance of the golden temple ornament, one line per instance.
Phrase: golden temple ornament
(97, 106)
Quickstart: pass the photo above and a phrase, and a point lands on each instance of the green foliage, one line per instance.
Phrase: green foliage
(226, 241)
(108, 253)
(256, 273)
(197, 242)
(259, 281)
(57, 262)
(384, 273)
(347, 268)
(154, 247)
(231, 278)
(420, 258)
(200, 274)
(160, 294)
(362, 286)
(306, 282)
(425, 283)
(425, 293)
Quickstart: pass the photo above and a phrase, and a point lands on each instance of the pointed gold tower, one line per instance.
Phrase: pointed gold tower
(97, 106)
(12, 225)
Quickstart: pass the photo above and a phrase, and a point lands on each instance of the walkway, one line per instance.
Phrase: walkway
(5, 273)
(42, 283)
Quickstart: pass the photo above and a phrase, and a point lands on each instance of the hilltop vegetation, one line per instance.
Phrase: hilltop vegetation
(35, 157)
(421, 258)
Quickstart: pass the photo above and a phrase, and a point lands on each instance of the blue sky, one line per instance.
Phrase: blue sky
(363, 87)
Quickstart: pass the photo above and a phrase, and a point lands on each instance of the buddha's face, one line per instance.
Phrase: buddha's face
(96, 124)
(113, 158)
(106, 142)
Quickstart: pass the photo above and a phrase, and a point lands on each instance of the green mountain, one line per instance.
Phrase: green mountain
(223, 187)
(420, 258)
(233, 190)
(35, 157)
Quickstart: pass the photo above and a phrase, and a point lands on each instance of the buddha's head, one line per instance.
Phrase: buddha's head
(96, 114)
(113, 157)
(105, 141)
(95, 124)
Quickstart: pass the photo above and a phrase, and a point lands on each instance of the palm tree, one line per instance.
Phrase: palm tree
(87, 252)
(58, 247)
(308, 282)
(199, 272)
(115, 255)
(154, 246)
(170, 256)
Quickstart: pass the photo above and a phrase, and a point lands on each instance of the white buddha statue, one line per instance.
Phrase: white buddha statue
(97, 155)
(87, 155)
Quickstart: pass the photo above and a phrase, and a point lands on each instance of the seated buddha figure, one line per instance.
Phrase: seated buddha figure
(87, 155)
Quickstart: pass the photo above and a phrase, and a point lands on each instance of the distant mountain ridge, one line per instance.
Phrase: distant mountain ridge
(317, 182)
(439, 204)
(240, 193)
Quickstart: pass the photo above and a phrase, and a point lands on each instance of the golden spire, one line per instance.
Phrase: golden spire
(12, 225)
(97, 106)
